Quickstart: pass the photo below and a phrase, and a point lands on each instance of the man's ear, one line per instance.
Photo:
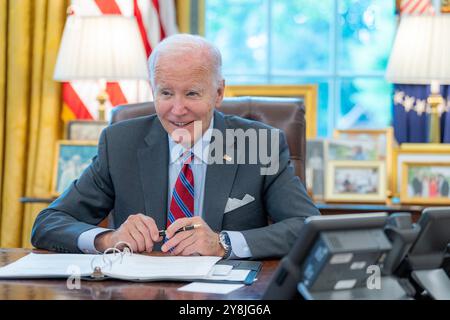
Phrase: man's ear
(220, 93)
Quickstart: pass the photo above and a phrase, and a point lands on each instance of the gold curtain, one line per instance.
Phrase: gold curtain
(191, 16)
(30, 105)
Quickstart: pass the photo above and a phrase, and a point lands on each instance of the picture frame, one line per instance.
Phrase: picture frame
(356, 181)
(386, 146)
(85, 129)
(445, 6)
(384, 138)
(315, 167)
(308, 92)
(425, 183)
(343, 149)
(416, 152)
(71, 158)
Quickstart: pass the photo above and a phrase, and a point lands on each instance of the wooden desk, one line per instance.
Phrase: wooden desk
(115, 289)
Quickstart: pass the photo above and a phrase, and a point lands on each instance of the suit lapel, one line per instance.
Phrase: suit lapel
(153, 165)
(219, 180)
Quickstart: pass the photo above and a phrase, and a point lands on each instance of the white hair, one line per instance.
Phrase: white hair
(186, 43)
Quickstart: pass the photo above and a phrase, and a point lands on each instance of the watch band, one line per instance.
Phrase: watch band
(225, 242)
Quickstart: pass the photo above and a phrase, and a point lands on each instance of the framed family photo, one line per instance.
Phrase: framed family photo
(356, 181)
(316, 158)
(425, 183)
(416, 152)
(71, 158)
(85, 129)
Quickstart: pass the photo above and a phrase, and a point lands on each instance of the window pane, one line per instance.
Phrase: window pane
(364, 103)
(244, 79)
(366, 33)
(300, 32)
(239, 29)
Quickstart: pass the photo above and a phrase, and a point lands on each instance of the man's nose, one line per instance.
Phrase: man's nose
(178, 107)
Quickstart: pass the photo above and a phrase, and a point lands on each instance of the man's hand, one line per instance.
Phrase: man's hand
(139, 230)
(201, 241)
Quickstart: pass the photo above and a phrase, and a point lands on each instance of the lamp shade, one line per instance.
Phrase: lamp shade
(107, 47)
(421, 51)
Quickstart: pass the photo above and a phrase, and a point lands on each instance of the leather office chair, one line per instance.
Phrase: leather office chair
(287, 114)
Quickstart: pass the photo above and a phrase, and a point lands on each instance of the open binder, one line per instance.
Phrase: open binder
(125, 265)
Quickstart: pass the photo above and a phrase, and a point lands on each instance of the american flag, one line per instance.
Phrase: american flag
(156, 20)
(415, 7)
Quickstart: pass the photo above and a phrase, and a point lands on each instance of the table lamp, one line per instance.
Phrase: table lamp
(421, 55)
(102, 48)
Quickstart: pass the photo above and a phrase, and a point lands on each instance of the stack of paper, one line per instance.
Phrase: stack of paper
(134, 267)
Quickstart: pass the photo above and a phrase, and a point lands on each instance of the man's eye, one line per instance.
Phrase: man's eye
(166, 93)
(193, 94)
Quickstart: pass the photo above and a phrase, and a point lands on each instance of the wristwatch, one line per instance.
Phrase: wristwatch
(225, 242)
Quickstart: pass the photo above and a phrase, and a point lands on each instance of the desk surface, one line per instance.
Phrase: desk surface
(115, 289)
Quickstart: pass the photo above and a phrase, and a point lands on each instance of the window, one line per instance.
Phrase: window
(341, 45)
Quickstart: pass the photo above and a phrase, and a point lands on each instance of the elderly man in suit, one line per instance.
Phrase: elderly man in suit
(154, 173)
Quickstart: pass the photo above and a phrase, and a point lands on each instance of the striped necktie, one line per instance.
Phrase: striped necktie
(182, 203)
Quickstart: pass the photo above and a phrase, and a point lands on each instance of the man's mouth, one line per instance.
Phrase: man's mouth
(181, 124)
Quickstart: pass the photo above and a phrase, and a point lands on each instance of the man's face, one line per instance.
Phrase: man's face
(185, 93)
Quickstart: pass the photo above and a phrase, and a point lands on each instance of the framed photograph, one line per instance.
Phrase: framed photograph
(445, 6)
(385, 146)
(85, 129)
(307, 92)
(316, 157)
(383, 137)
(71, 158)
(416, 152)
(425, 183)
(340, 149)
(356, 181)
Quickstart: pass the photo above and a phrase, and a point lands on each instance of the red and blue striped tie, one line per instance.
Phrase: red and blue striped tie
(182, 203)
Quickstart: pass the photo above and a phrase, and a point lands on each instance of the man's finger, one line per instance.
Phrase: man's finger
(143, 229)
(136, 235)
(183, 244)
(152, 227)
(190, 250)
(178, 224)
(173, 242)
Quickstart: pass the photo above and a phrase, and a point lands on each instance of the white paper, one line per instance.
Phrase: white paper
(218, 288)
(233, 275)
(141, 267)
(221, 270)
(134, 267)
(48, 266)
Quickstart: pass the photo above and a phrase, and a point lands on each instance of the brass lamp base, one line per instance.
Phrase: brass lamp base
(434, 128)
(102, 98)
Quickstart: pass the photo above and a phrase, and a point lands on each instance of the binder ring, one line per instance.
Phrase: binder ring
(106, 256)
(127, 249)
